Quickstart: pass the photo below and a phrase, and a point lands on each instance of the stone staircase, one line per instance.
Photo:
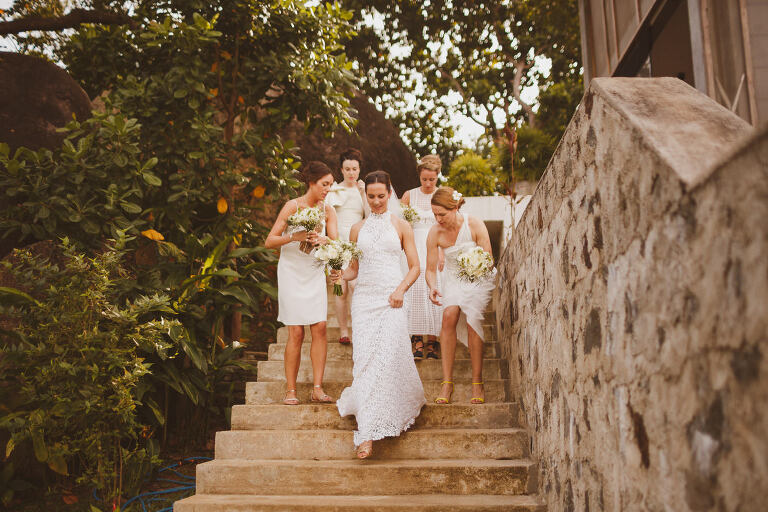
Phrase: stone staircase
(457, 457)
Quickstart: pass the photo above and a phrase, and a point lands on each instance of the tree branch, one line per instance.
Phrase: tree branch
(75, 18)
(520, 68)
(460, 90)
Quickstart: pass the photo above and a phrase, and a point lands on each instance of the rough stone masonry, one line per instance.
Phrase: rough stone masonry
(634, 306)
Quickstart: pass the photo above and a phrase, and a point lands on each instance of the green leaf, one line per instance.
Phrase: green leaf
(130, 207)
(9, 448)
(226, 272)
(246, 251)
(38, 444)
(58, 464)
(240, 294)
(268, 288)
(17, 296)
(151, 179)
(150, 164)
(155, 410)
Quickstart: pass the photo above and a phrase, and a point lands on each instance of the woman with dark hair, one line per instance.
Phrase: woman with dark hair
(463, 303)
(347, 198)
(301, 288)
(386, 394)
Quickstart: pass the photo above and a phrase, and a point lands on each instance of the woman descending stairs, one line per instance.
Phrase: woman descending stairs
(457, 457)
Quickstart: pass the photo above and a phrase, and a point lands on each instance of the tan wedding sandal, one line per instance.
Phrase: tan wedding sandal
(365, 450)
(290, 401)
(324, 399)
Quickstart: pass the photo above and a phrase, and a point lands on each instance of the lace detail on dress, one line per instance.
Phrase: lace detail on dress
(423, 316)
(386, 394)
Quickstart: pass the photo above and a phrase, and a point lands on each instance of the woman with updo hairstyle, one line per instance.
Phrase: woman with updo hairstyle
(386, 394)
(301, 289)
(347, 198)
(424, 317)
(463, 303)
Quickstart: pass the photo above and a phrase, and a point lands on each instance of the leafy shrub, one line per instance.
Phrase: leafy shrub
(71, 365)
(471, 174)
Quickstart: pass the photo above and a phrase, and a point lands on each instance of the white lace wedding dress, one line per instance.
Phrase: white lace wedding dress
(386, 394)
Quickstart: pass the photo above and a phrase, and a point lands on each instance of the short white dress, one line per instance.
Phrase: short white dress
(349, 207)
(386, 394)
(301, 291)
(472, 298)
(424, 317)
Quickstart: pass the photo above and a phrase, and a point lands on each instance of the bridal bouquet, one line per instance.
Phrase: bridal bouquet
(306, 219)
(409, 213)
(336, 255)
(474, 264)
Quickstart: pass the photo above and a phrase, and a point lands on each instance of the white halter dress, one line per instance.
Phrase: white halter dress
(386, 394)
(424, 318)
(301, 291)
(472, 298)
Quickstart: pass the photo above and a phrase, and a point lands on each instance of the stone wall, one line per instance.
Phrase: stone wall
(633, 306)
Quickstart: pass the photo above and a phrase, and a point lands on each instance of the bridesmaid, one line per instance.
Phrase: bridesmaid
(424, 316)
(301, 282)
(347, 198)
(463, 303)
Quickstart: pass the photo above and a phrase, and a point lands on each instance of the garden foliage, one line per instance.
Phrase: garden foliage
(181, 156)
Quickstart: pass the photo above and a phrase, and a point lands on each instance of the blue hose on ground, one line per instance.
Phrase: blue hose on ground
(185, 483)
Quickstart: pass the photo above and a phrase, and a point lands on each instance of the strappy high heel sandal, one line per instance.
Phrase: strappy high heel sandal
(418, 353)
(432, 348)
(443, 400)
(365, 450)
(290, 401)
(478, 399)
(324, 399)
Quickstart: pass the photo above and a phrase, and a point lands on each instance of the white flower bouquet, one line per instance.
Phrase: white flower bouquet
(336, 255)
(474, 264)
(306, 219)
(409, 213)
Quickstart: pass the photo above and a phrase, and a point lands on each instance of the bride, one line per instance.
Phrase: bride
(386, 394)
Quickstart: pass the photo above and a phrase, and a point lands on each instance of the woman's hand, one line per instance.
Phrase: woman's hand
(434, 296)
(299, 236)
(335, 275)
(317, 239)
(396, 299)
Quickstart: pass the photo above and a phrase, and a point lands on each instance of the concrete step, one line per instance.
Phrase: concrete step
(310, 417)
(332, 333)
(429, 369)
(337, 351)
(370, 477)
(274, 391)
(499, 443)
(422, 503)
